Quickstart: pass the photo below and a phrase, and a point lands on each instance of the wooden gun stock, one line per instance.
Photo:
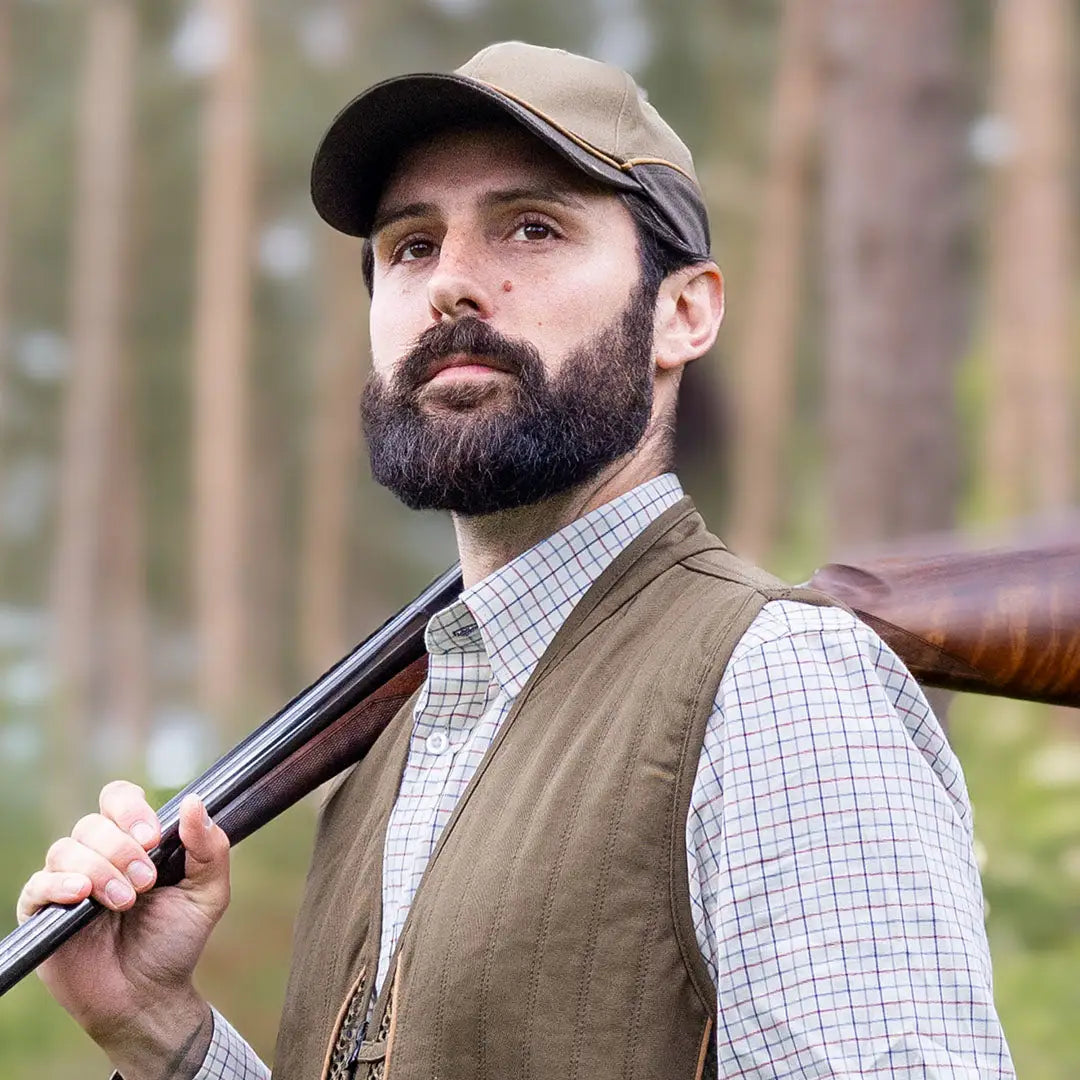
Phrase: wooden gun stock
(1002, 621)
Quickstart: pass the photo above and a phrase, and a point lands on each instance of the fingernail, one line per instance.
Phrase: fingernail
(119, 893)
(206, 817)
(72, 885)
(140, 873)
(142, 833)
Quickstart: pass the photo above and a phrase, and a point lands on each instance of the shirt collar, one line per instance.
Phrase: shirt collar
(514, 613)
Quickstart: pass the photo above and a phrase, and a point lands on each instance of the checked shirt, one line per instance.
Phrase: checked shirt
(834, 890)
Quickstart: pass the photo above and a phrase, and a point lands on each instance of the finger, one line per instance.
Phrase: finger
(126, 804)
(109, 886)
(51, 887)
(100, 834)
(206, 867)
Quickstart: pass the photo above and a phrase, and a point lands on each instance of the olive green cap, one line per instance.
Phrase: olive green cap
(591, 113)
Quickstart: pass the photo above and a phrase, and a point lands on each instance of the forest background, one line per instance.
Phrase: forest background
(188, 534)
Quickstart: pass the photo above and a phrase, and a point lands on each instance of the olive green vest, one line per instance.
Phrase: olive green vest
(551, 935)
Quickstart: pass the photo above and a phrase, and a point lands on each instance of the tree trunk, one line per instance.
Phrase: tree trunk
(126, 668)
(222, 335)
(1030, 434)
(766, 363)
(103, 167)
(894, 266)
(6, 12)
(333, 446)
(269, 588)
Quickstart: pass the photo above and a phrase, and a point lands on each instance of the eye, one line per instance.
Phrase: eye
(411, 250)
(534, 230)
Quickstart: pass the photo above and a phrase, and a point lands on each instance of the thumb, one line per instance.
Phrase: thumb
(206, 866)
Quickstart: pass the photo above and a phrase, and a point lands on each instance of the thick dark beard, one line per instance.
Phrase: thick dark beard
(548, 437)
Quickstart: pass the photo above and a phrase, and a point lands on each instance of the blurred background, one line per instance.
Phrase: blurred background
(188, 533)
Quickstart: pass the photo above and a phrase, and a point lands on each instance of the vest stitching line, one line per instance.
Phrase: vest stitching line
(444, 977)
(601, 887)
(489, 957)
(634, 1041)
(549, 897)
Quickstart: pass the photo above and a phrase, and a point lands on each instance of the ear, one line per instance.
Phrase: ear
(689, 310)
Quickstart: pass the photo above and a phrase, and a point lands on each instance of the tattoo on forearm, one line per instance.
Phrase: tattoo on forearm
(182, 1065)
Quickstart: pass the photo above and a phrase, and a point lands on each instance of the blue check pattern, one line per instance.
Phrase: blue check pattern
(834, 890)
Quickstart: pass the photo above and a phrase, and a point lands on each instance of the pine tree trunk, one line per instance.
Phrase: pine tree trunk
(894, 226)
(333, 447)
(1030, 432)
(6, 56)
(765, 375)
(125, 692)
(98, 279)
(222, 336)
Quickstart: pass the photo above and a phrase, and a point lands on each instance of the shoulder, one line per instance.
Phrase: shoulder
(812, 684)
(790, 638)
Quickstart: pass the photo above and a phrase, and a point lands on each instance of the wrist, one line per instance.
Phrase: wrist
(165, 1041)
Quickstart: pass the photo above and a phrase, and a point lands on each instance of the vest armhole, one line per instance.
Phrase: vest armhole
(713, 665)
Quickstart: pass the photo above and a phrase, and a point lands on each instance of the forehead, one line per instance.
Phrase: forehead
(459, 160)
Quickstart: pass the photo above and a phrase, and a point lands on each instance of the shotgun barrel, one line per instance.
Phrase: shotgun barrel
(329, 726)
(999, 621)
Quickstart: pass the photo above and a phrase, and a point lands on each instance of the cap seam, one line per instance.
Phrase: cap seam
(622, 110)
(630, 162)
(608, 159)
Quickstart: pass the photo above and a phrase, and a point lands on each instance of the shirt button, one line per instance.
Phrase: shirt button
(436, 742)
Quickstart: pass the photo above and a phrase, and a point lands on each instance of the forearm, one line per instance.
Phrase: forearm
(226, 1057)
(162, 1044)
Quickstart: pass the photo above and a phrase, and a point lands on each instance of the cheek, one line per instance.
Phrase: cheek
(583, 300)
(391, 333)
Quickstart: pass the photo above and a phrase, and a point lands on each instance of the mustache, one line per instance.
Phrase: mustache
(473, 337)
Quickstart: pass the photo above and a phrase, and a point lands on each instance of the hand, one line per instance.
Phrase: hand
(126, 978)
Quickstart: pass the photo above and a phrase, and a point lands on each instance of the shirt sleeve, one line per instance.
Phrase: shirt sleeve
(228, 1056)
(832, 878)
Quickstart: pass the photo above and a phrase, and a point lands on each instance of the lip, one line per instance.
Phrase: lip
(469, 364)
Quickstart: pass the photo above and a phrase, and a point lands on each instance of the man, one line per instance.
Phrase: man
(652, 814)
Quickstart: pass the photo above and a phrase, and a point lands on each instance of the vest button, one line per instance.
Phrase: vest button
(436, 742)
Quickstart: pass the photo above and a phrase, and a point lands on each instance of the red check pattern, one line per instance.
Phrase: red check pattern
(829, 848)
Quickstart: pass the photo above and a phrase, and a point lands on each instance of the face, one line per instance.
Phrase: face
(511, 339)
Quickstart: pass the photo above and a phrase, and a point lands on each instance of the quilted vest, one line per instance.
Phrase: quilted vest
(551, 935)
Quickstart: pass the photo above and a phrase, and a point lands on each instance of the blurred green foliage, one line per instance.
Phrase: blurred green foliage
(1022, 764)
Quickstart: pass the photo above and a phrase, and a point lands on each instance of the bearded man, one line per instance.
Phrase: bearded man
(653, 813)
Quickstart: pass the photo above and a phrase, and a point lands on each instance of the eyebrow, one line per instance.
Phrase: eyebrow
(415, 209)
(548, 193)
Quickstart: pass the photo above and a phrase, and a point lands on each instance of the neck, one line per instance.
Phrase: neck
(488, 542)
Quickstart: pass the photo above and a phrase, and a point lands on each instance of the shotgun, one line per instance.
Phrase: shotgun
(1001, 620)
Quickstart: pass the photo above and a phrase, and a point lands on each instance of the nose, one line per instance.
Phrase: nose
(456, 287)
